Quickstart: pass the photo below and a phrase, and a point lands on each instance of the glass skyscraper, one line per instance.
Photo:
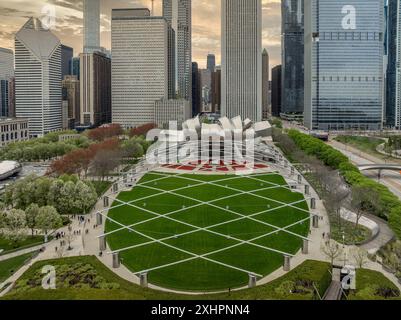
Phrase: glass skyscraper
(91, 25)
(344, 64)
(292, 29)
(393, 94)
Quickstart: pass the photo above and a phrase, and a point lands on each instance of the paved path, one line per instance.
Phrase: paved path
(384, 236)
(21, 252)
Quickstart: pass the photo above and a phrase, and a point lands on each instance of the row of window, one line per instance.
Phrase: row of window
(14, 136)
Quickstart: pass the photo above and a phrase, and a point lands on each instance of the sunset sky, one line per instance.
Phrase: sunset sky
(205, 24)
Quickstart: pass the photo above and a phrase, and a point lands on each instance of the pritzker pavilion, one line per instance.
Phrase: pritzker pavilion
(203, 213)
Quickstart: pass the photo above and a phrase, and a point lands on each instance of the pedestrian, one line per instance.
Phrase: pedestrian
(55, 249)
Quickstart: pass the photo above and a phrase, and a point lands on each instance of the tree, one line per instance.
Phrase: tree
(85, 197)
(332, 250)
(364, 200)
(31, 214)
(48, 219)
(106, 161)
(13, 225)
(360, 257)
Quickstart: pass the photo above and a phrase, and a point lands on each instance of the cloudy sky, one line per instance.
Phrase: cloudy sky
(205, 24)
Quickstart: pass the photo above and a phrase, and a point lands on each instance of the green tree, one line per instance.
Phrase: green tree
(48, 219)
(13, 225)
(31, 214)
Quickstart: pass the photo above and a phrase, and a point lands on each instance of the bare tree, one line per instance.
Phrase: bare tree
(360, 257)
(332, 250)
(363, 200)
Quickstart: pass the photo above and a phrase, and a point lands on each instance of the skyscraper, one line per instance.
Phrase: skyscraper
(140, 71)
(292, 29)
(241, 59)
(178, 14)
(6, 63)
(196, 89)
(211, 62)
(216, 90)
(265, 83)
(393, 93)
(276, 91)
(95, 89)
(91, 25)
(75, 69)
(66, 59)
(72, 89)
(344, 64)
(37, 77)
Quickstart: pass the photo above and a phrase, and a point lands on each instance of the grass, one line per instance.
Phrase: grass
(105, 285)
(200, 274)
(373, 285)
(8, 267)
(8, 246)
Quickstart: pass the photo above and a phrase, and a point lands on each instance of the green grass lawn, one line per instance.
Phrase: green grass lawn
(373, 285)
(227, 217)
(8, 267)
(8, 246)
(94, 281)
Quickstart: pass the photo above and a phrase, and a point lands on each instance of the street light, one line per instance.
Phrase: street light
(345, 253)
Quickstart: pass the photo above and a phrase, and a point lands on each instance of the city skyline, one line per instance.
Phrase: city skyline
(206, 24)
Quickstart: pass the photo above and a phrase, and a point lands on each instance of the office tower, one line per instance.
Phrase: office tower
(178, 110)
(37, 78)
(75, 70)
(95, 89)
(276, 91)
(292, 29)
(6, 63)
(91, 25)
(216, 90)
(211, 62)
(178, 14)
(171, 64)
(393, 90)
(72, 94)
(4, 96)
(206, 85)
(66, 59)
(11, 97)
(241, 70)
(139, 70)
(265, 83)
(196, 90)
(343, 64)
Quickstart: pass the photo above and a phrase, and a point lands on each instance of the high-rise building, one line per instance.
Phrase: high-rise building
(393, 46)
(71, 92)
(178, 14)
(344, 64)
(91, 25)
(292, 29)
(140, 73)
(4, 98)
(196, 90)
(178, 110)
(11, 97)
(276, 91)
(75, 70)
(6, 63)
(37, 77)
(241, 70)
(265, 83)
(216, 90)
(95, 89)
(66, 59)
(171, 63)
(206, 85)
(211, 62)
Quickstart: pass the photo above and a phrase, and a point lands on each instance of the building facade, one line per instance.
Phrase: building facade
(265, 83)
(72, 94)
(91, 25)
(178, 14)
(241, 73)
(393, 79)
(276, 91)
(196, 90)
(178, 110)
(13, 130)
(95, 89)
(139, 68)
(216, 90)
(75, 69)
(6, 63)
(292, 12)
(344, 64)
(66, 59)
(37, 78)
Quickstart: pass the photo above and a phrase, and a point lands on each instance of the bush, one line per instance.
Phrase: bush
(389, 206)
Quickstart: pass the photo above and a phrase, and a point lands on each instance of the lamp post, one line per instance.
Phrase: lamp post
(345, 252)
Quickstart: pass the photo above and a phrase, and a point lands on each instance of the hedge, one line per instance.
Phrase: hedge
(390, 205)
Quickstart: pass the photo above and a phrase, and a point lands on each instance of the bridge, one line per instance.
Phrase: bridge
(380, 167)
